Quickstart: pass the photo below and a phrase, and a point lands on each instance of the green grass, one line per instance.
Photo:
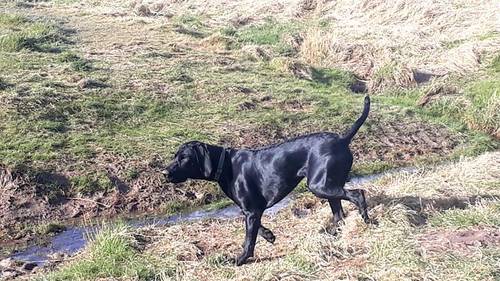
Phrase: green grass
(91, 183)
(372, 167)
(495, 64)
(174, 207)
(22, 33)
(267, 33)
(483, 214)
(190, 25)
(49, 228)
(76, 62)
(483, 113)
(331, 76)
(112, 254)
(452, 44)
(385, 71)
(218, 260)
(220, 204)
(480, 265)
(270, 32)
(300, 263)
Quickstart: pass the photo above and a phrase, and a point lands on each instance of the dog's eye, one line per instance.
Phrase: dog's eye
(182, 159)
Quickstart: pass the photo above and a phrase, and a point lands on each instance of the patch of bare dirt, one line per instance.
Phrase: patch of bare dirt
(402, 140)
(459, 240)
(396, 141)
(304, 206)
(39, 197)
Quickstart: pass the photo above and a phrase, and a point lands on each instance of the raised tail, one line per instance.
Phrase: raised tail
(354, 129)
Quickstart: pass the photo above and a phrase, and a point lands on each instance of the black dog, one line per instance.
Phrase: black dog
(257, 179)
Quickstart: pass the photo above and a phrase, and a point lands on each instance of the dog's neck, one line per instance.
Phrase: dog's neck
(226, 175)
(219, 157)
(220, 164)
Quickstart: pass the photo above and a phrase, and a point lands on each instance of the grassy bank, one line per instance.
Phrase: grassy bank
(437, 223)
(96, 96)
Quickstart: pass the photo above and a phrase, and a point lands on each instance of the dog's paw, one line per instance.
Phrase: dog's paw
(268, 236)
(371, 221)
(331, 229)
(241, 260)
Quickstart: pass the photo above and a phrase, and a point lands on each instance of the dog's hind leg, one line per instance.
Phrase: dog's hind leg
(267, 234)
(355, 196)
(338, 214)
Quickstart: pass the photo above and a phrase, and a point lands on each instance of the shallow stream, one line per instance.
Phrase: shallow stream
(73, 239)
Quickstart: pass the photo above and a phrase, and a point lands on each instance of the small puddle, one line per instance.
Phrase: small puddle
(74, 239)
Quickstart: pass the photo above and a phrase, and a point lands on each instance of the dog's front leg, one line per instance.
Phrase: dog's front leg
(252, 223)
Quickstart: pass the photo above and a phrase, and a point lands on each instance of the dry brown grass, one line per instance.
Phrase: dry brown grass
(434, 37)
(390, 251)
(441, 38)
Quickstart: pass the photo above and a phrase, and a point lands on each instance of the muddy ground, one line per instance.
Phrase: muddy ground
(26, 204)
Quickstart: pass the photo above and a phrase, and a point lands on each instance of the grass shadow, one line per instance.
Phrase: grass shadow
(187, 31)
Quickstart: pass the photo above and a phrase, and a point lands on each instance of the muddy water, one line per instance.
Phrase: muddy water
(74, 239)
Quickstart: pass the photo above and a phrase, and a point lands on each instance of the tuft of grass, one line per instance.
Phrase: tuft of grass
(218, 260)
(76, 62)
(270, 33)
(392, 247)
(300, 263)
(174, 207)
(21, 33)
(332, 77)
(483, 113)
(191, 25)
(49, 228)
(132, 174)
(9, 20)
(219, 204)
(453, 44)
(111, 254)
(68, 56)
(192, 21)
(228, 31)
(495, 64)
(91, 183)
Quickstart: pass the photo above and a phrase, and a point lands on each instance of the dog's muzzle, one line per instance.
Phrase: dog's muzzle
(166, 174)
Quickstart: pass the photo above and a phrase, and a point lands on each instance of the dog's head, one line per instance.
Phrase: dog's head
(191, 161)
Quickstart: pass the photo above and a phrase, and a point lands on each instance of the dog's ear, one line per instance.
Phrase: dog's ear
(205, 161)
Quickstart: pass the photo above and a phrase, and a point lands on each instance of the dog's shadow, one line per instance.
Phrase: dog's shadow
(422, 205)
(232, 260)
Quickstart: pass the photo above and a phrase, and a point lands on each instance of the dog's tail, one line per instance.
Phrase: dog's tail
(354, 129)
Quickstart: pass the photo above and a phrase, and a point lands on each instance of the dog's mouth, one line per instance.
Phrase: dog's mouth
(175, 180)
